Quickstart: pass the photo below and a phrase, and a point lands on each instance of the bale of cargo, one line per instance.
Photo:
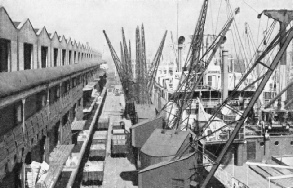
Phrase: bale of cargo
(100, 137)
(93, 173)
(97, 152)
(103, 123)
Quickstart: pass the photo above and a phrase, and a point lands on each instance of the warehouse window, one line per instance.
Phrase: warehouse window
(27, 55)
(54, 94)
(177, 183)
(58, 92)
(41, 100)
(65, 118)
(44, 55)
(55, 56)
(66, 86)
(63, 56)
(4, 55)
(74, 112)
(69, 58)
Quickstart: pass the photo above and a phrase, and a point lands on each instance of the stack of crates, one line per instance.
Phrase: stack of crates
(98, 147)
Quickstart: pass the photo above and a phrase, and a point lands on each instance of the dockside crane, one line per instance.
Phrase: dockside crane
(122, 56)
(138, 89)
(127, 58)
(116, 59)
(128, 68)
(145, 79)
(189, 83)
(151, 75)
(122, 69)
(143, 65)
(283, 39)
(138, 68)
(192, 61)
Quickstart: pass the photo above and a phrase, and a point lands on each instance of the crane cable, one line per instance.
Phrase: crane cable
(271, 29)
(214, 44)
(229, 9)
(273, 43)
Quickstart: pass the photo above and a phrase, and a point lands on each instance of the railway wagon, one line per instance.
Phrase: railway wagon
(119, 143)
(97, 152)
(100, 137)
(93, 173)
(103, 123)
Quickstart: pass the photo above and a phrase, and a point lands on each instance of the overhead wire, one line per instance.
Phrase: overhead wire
(212, 22)
(251, 38)
(260, 77)
(209, 49)
(218, 16)
(186, 87)
(229, 9)
(250, 6)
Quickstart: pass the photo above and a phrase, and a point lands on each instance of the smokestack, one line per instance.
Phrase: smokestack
(181, 40)
(224, 74)
(179, 59)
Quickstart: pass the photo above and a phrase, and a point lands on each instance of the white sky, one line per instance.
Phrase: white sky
(84, 20)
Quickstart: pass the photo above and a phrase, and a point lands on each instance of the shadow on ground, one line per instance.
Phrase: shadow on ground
(130, 176)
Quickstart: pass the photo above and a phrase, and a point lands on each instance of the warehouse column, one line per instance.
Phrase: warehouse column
(23, 129)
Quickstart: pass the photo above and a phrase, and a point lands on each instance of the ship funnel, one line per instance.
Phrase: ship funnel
(181, 40)
(224, 74)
